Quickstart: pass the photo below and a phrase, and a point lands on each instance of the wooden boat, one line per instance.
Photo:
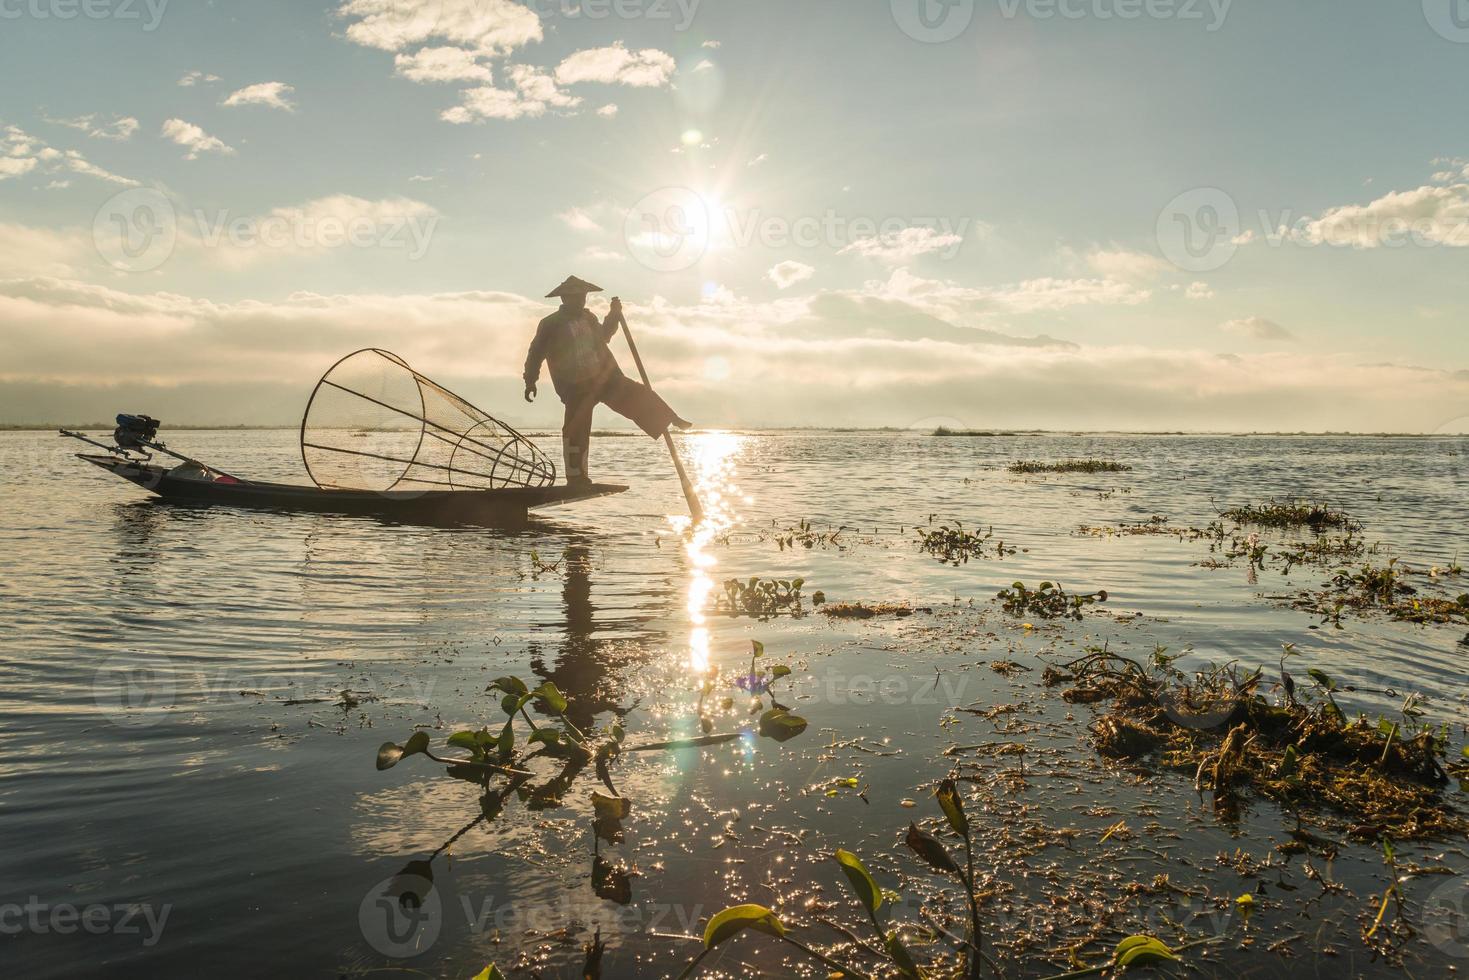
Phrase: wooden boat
(192, 484)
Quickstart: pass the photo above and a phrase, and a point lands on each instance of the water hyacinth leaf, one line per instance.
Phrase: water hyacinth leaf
(1141, 951)
(781, 725)
(544, 736)
(862, 884)
(510, 704)
(389, 754)
(901, 958)
(736, 919)
(1288, 762)
(551, 694)
(757, 648)
(509, 685)
(464, 740)
(489, 973)
(928, 847)
(779, 671)
(616, 807)
(953, 807)
(1321, 677)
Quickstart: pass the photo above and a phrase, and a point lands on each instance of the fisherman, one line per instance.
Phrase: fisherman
(586, 374)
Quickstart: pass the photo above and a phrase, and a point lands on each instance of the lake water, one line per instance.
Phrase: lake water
(178, 768)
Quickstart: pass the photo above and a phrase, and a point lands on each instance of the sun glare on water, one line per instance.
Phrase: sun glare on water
(711, 458)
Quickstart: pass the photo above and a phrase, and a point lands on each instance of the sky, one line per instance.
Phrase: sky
(1195, 215)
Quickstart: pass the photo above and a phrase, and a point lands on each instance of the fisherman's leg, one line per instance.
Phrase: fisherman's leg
(642, 405)
(576, 437)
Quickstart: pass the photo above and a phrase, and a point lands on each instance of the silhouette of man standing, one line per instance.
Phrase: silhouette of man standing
(585, 374)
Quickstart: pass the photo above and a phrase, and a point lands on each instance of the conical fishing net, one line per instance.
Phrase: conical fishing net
(374, 423)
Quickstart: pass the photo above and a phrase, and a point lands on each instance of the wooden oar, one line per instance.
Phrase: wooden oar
(696, 511)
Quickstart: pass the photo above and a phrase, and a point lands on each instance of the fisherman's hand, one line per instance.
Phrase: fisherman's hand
(616, 307)
(530, 392)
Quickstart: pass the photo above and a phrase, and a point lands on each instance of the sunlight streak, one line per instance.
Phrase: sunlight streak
(711, 457)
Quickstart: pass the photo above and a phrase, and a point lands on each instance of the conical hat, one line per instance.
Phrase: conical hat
(574, 287)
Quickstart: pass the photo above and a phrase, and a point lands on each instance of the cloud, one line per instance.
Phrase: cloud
(442, 65)
(16, 166)
(1427, 215)
(1198, 291)
(79, 164)
(608, 111)
(578, 219)
(1257, 328)
(118, 129)
(597, 253)
(786, 274)
(1121, 263)
(41, 251)
(272, 95)
(22, 154)
(193, 78)
(648, 68)
(316, 227)
(905, 245)
(194, 139)
(710, 44)
(534, 94)
(883, 362)
(488, 27)
(952, 301)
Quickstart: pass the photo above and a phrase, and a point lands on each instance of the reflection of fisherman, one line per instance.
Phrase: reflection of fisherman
(585, 374)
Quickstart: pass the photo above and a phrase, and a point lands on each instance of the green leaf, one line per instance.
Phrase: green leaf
(544, 736)
(781, 725)
(931, 850)
(736, 919)
(862, 884)
(1320, 677)
(389, 754)
(489, 973)
(757, 648)
(464, 740)
(953, 806)
(1288, 763)
(779, 671)
(901, 958)
(509, 685)
(616, 807)
(551, 694)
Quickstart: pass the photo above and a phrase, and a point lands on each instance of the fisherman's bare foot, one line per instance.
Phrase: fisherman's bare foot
(578, 481)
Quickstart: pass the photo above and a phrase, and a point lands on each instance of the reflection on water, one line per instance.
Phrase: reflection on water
(246, 610)
(713, 456)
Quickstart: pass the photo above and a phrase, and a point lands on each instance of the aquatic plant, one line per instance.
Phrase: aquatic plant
(761, 598)
(1292, 513)
(956, 546)
(1048, 601)
(1069, 466)
(1382, 588)
(1305, 753)
(893, 947)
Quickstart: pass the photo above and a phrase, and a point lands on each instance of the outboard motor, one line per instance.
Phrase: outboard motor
(134, 431)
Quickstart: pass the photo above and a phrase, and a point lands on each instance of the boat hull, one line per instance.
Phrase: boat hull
(498, 508)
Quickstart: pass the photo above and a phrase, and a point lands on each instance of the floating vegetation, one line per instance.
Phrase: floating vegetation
(1069, 466)
(760, 598)
(1385, 777)
(864, 610)
(1286, 514)
(956, 545)
(945, 431)
(1048, 601)
(1382, 588)
(808, 537)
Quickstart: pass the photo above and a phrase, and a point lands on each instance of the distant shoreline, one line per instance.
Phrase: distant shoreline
(106, 427)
